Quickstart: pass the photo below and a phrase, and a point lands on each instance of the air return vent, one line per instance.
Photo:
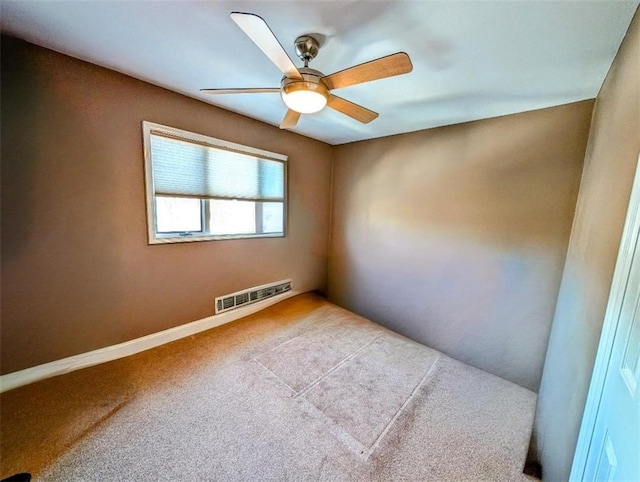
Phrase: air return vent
(252, 295)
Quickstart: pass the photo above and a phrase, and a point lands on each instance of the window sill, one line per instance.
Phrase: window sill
(171, 238)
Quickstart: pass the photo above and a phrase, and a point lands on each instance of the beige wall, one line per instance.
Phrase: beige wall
(456, 236)
(77, 273)
(610, 162)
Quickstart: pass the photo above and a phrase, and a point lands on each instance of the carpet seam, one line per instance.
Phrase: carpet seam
(305, 332)
(335, 367)
(406, 402)
(342, 435)
(277, 377)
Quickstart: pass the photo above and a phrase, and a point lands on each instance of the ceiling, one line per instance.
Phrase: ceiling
(472, 60)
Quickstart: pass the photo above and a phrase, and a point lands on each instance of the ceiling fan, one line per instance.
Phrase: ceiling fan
(305, 90)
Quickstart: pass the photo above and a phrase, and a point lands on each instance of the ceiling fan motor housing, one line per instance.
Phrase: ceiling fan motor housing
(311, 83)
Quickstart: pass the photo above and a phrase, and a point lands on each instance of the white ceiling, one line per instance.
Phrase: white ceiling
(472, 60)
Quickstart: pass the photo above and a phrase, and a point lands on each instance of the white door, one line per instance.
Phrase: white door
(609, 443)
(614, 454)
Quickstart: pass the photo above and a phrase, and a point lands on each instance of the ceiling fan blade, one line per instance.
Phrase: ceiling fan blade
(395, 64)
(354, 111)
(257, 30)
(290, 119)
(261, 90)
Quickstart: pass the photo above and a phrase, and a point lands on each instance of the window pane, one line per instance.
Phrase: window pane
(271, 179)
(174, 214)
(179, 167)
(232, 175)
(232, 217)
(272, 217)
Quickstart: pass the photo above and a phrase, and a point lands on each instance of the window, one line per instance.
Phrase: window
(200, 188)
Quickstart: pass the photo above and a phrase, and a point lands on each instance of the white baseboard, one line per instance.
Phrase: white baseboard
(121, 350)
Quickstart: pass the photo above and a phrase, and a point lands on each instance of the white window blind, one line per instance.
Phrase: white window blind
(188, 169)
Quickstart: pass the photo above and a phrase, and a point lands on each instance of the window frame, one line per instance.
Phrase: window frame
(154, 237)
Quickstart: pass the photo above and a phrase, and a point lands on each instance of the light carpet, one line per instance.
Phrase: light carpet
(303, 390)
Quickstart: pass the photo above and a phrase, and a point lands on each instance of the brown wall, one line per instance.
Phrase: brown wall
(77, 272)
(610, 162)
(456, 236)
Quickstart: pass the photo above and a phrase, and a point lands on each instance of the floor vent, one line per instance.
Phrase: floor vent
(252, 295)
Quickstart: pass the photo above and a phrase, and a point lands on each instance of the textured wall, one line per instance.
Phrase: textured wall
(456, 236)
(610, 162)
(77, 273)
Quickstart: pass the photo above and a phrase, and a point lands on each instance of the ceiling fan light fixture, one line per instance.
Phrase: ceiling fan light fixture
(304, 97)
